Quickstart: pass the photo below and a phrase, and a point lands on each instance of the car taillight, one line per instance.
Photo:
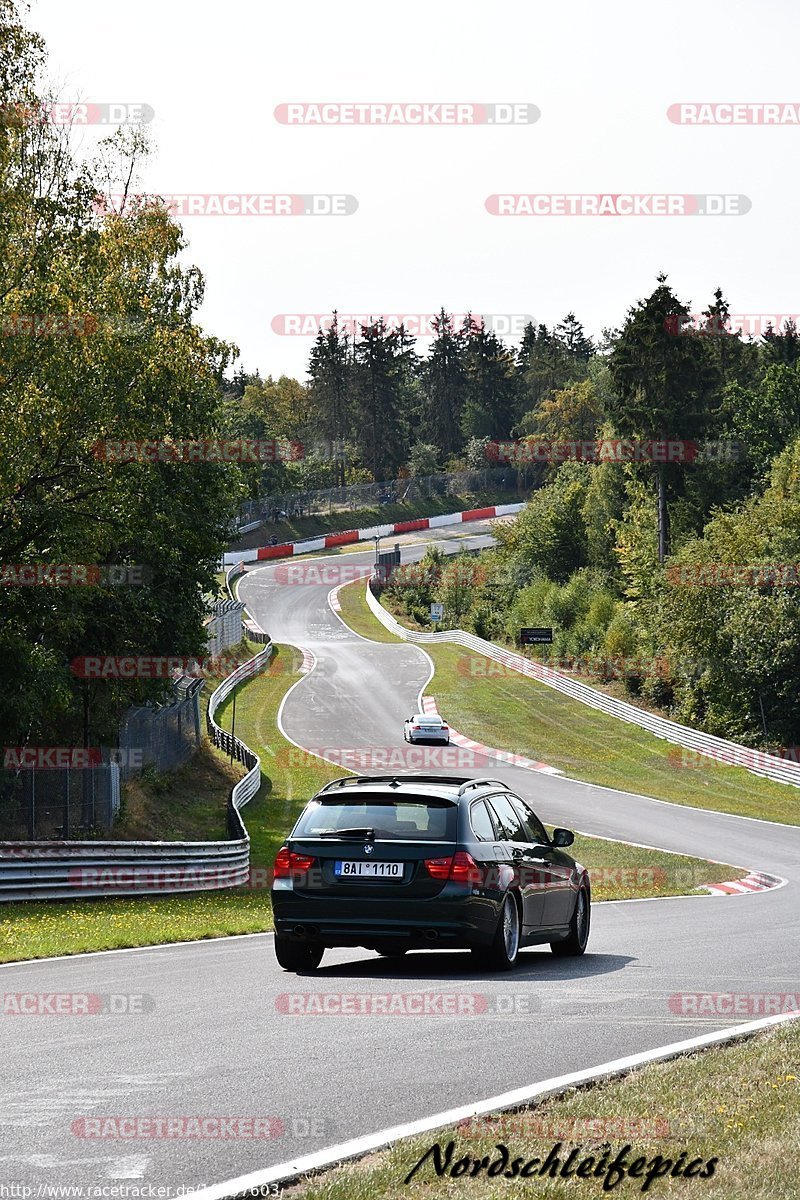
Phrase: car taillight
(288, 863)
(445, 725)
(459, 867)
(465, 869)
(439, 868)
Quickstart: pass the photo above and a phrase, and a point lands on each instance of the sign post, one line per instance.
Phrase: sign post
(536, 637)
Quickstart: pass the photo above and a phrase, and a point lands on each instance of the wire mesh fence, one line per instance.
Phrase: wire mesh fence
(63, 802)
(163, 737)
(80, 801)
(394, 491)
(225, 627)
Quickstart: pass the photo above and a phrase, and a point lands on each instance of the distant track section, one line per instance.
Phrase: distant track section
(350, 536)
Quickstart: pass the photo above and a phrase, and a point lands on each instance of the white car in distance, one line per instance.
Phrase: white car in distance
(426, 727)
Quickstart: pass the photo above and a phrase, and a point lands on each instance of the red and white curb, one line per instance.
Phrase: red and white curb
(333, 599)
(349, 536)
(309, 660)
(756, 881)
(506, 756)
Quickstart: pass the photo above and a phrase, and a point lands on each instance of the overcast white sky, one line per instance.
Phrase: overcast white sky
(603, 76)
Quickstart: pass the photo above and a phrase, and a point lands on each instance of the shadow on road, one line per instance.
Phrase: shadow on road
(433, 967)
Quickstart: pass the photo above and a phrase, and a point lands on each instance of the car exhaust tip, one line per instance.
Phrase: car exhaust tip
(431, 935)
(299, 931)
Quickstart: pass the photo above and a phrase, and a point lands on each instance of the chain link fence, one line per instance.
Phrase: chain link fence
(163, 737)
(67, 802)
(225, 626)
(63, 802)
(394, 491)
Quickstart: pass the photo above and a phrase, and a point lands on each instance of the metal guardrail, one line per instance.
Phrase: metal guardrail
(769, 766)
(56, 870)
(230, 576)
(253, 631)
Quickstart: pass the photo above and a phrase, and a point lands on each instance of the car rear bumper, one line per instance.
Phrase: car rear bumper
(462, 922)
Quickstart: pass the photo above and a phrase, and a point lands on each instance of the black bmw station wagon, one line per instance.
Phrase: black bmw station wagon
(395, 863)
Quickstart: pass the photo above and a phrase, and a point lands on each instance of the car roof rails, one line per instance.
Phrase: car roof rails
(474, 783)
(395, 781)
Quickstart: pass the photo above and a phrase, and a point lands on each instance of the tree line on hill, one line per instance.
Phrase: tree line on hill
(101, 342)
(679, 581)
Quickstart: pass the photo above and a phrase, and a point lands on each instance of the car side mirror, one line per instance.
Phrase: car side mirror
(563, 837)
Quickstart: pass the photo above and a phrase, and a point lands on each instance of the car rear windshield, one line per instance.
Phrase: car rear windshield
(407, 818)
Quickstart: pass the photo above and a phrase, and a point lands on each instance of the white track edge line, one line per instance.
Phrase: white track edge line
(81, 954)
(358, 1147)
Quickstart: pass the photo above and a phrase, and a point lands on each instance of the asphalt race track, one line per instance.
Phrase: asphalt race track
(216, 1042)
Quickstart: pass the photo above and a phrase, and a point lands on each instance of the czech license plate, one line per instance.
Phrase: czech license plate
(368, 870)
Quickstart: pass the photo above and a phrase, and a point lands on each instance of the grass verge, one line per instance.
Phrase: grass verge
(738, 1105)
(356, 614)
(484, 700)
(180, 805)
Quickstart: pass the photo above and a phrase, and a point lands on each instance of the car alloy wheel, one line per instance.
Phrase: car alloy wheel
(504, 950)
